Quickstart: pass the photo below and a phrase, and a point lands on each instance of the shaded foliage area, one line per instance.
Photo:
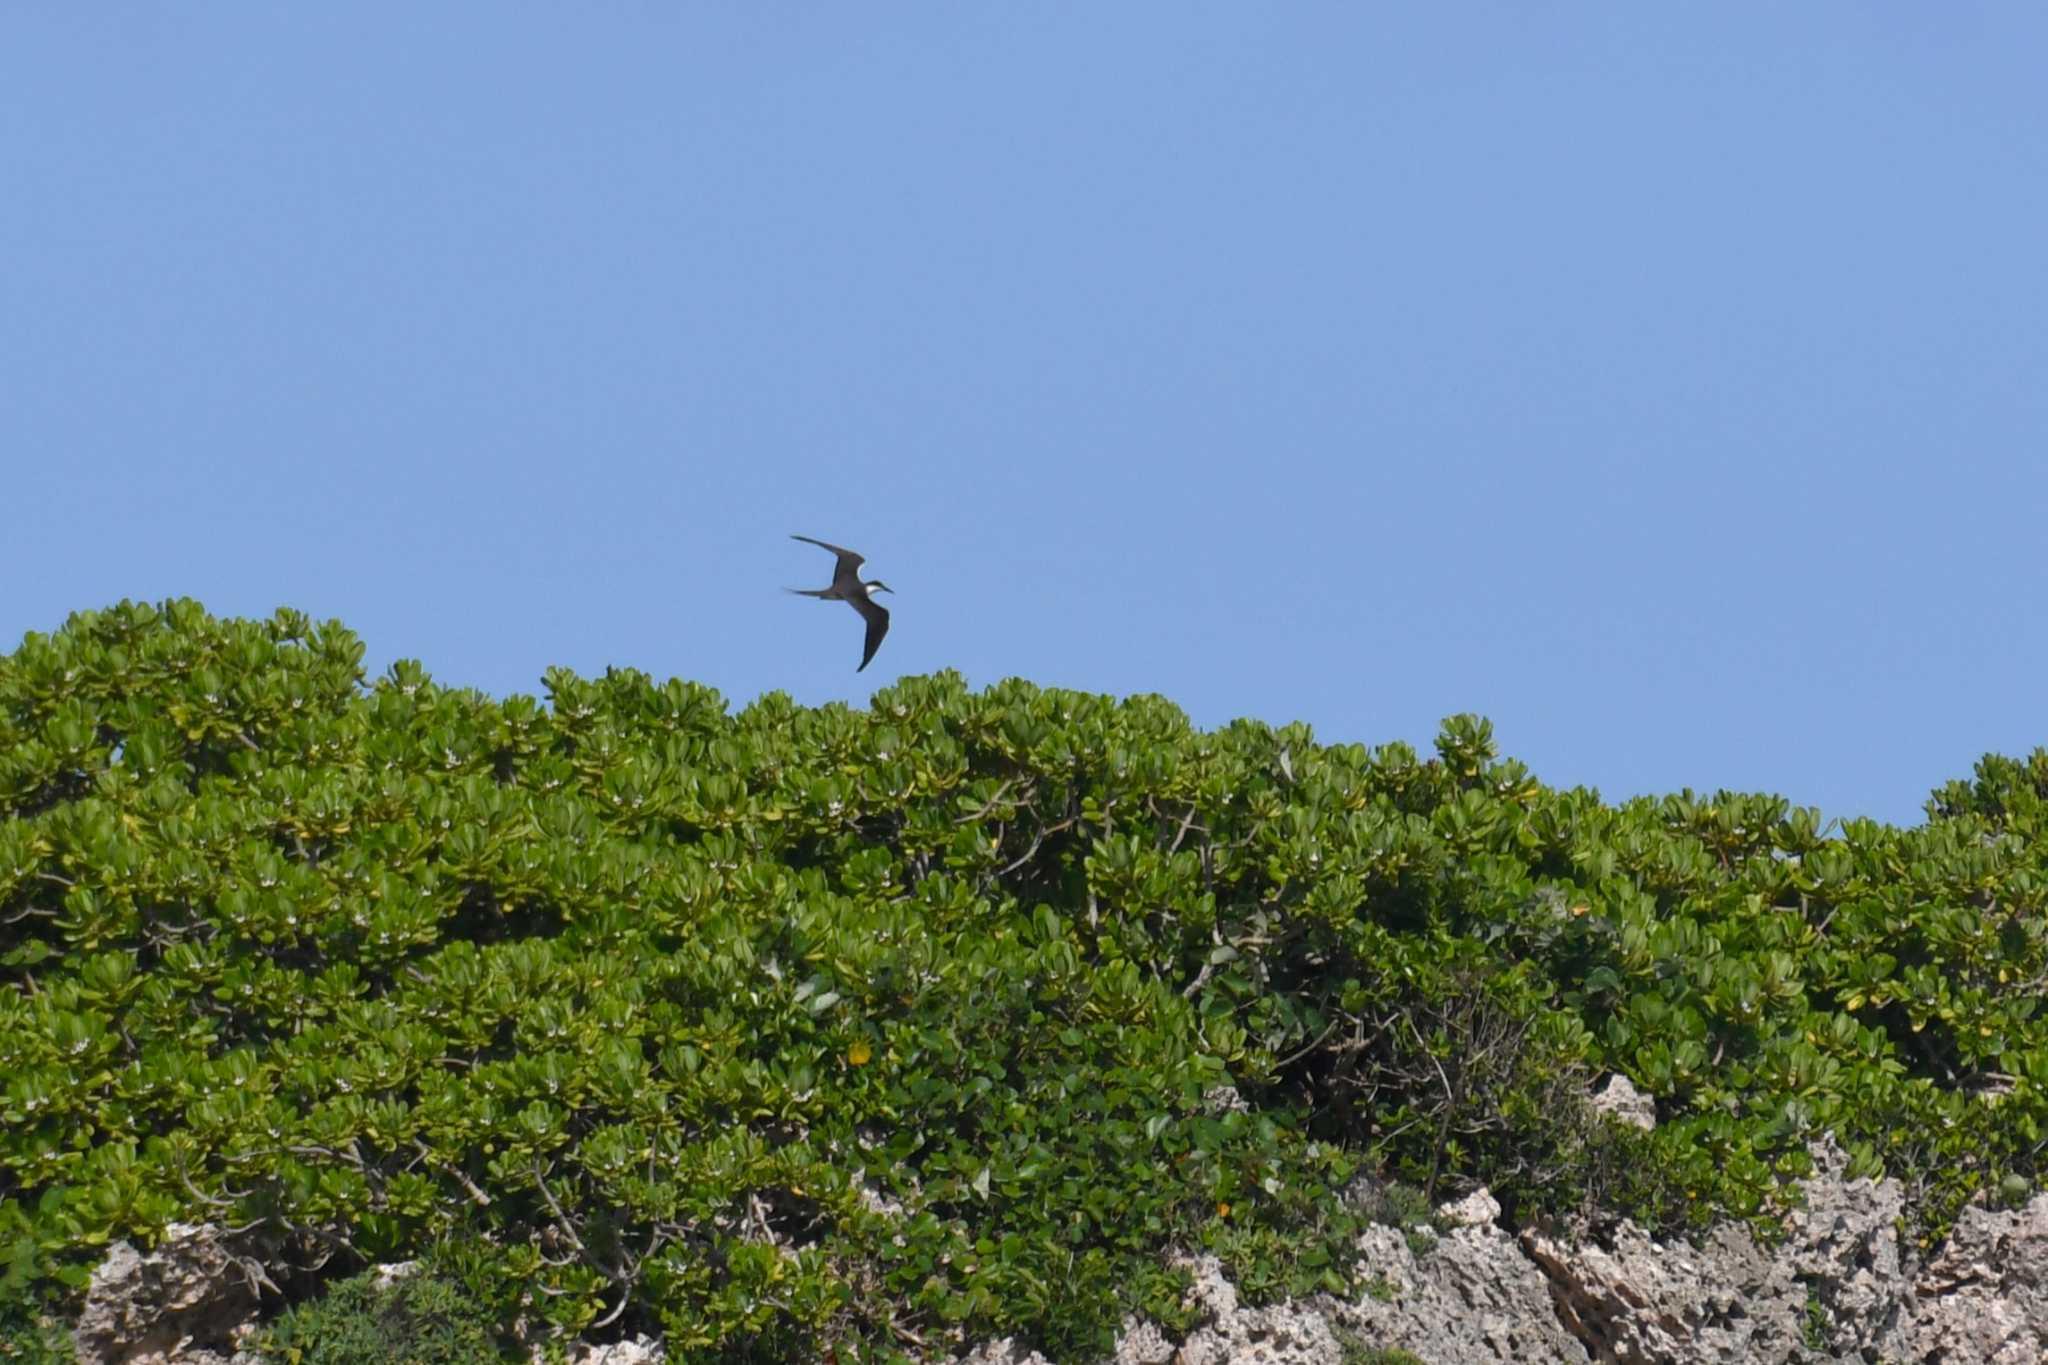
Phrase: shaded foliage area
(873, 1030)
(419, 1318)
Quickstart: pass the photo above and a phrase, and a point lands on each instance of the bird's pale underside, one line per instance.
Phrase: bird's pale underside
(847, 587)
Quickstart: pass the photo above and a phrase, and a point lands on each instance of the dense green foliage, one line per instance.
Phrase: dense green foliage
(419, 1318)
(876, 1029)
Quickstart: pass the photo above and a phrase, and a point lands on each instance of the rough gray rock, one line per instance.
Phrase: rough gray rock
(1984, 1296)
(1832, 1287)
(1637, 1299)
(1838, 1289)
(1620, 1099)
(636, 1351)
(1004, 1351)
(1467, 1296)
(189, 1302)
(1842, 1246)
(1283, 1334)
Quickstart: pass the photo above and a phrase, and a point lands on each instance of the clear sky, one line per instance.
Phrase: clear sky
(1668, 384)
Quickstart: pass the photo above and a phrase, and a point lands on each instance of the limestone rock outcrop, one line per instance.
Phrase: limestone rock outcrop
(188, 1302)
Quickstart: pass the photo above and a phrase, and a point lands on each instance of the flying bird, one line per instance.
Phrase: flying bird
(847, 587)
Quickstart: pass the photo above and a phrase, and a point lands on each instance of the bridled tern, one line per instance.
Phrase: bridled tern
(848, 588)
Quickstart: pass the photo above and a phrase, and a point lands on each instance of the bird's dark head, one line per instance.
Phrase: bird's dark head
(877, 585)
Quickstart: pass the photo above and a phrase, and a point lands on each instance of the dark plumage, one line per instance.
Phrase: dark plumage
(848, 588)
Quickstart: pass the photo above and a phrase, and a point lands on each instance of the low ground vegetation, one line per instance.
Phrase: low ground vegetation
(793, 1030)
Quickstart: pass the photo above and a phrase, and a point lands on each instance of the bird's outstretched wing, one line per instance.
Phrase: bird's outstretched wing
(847, 558)
(878, 625)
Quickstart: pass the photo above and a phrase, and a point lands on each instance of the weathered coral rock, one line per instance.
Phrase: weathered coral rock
(1842, 1248)
(1640, 1300)
(1984, 1297)
(1468, 1296)
(1837, 1290)
(185, 1303)
(1831, 1291)
(635, 1351)
(1004, 1351)
(1620, 1099)
(1283, 1334)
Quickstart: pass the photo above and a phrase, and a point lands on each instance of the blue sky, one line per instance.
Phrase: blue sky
(1668, 384)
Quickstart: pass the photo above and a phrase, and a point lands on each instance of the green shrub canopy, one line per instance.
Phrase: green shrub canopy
(879, 1030)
